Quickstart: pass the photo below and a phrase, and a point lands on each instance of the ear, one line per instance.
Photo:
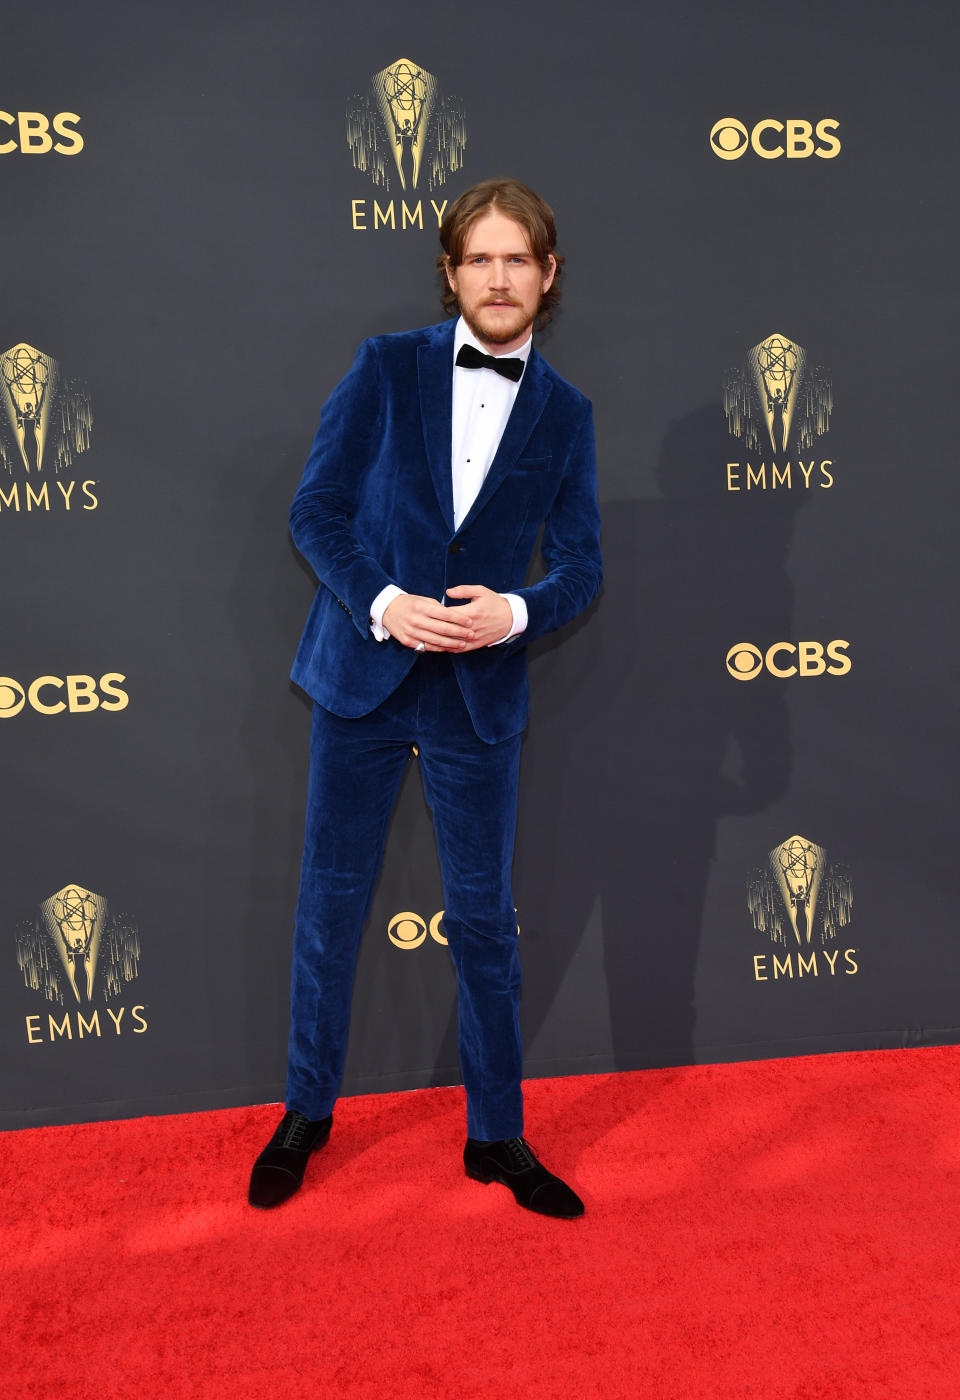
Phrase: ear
(549, 275)
(452, 275)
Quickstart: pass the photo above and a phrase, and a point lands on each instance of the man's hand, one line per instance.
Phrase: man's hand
(490, 615)
(413, 619)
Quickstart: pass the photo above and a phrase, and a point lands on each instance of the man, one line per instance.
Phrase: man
(438, 459)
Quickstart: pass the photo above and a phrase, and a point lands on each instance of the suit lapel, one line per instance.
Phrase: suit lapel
(527, 407)
(435, 375)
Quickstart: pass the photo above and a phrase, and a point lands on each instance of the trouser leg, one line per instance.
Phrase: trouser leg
(355, 771)
(471, 788)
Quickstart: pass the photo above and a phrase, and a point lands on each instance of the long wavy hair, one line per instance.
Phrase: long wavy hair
(517, 202)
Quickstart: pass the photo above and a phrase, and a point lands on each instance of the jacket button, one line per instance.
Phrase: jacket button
(455, 547)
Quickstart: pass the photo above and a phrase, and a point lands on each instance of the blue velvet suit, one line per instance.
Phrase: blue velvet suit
(375, 506)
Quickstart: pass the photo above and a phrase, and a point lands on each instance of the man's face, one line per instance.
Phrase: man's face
(499, 283)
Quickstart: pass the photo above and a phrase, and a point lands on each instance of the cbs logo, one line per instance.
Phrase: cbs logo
(51, 695)
(409, 931)
(33, 136)
(783, 659)
(771, 139)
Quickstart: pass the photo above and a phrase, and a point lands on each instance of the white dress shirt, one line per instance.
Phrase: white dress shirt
(482, 400)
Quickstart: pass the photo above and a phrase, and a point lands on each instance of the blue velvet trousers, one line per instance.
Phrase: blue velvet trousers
(471, 788)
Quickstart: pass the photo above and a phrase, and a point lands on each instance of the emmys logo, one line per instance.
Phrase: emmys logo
(778, 402)
(30, 134)
(53, 695)
(785, 659)
(800, 900)
(45, 423)
(76, 953)
(771, 139)
(404, 132)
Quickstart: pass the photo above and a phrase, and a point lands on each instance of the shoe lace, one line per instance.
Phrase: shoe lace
(521, 1153)
(292, 1130)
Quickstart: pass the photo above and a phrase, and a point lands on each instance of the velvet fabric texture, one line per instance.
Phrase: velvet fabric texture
(471, 789)
(375, 506)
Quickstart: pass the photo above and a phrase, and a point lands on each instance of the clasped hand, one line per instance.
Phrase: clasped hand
(484, 619)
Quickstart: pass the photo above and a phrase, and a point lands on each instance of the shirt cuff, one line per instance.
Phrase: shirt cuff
(379, 606)
(519, 609)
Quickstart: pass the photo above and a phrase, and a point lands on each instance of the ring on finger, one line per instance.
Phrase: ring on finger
(421, 646)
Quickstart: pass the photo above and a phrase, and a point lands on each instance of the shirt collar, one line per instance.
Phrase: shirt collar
(464, 336)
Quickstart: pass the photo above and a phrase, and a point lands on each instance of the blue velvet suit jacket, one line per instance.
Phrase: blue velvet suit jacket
(375, 506)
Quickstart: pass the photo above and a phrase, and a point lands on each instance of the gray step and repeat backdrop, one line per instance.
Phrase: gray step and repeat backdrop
(736, 837)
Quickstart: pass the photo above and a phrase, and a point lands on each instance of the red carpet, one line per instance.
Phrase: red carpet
(784, 1230)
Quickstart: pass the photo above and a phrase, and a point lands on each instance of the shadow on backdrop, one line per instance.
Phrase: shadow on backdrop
(641, 741)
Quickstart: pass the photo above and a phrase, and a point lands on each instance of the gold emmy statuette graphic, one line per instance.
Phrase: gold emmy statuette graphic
(800, 890)
(775, 399)
(74, 919)
(406, 122)
(44, 418)
(29, 382)
(406, 95)
(797, 867)
(76, 946)
(777, 365)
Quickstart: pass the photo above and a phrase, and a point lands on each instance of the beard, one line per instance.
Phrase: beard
(498, 331)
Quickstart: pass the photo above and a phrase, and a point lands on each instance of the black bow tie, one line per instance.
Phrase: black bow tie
(469, 357)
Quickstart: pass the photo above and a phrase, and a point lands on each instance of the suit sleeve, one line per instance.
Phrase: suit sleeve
(343, 450)
(570, 544)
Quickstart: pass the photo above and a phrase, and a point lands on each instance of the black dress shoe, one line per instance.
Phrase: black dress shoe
(278, 1171)
(513, 1163)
